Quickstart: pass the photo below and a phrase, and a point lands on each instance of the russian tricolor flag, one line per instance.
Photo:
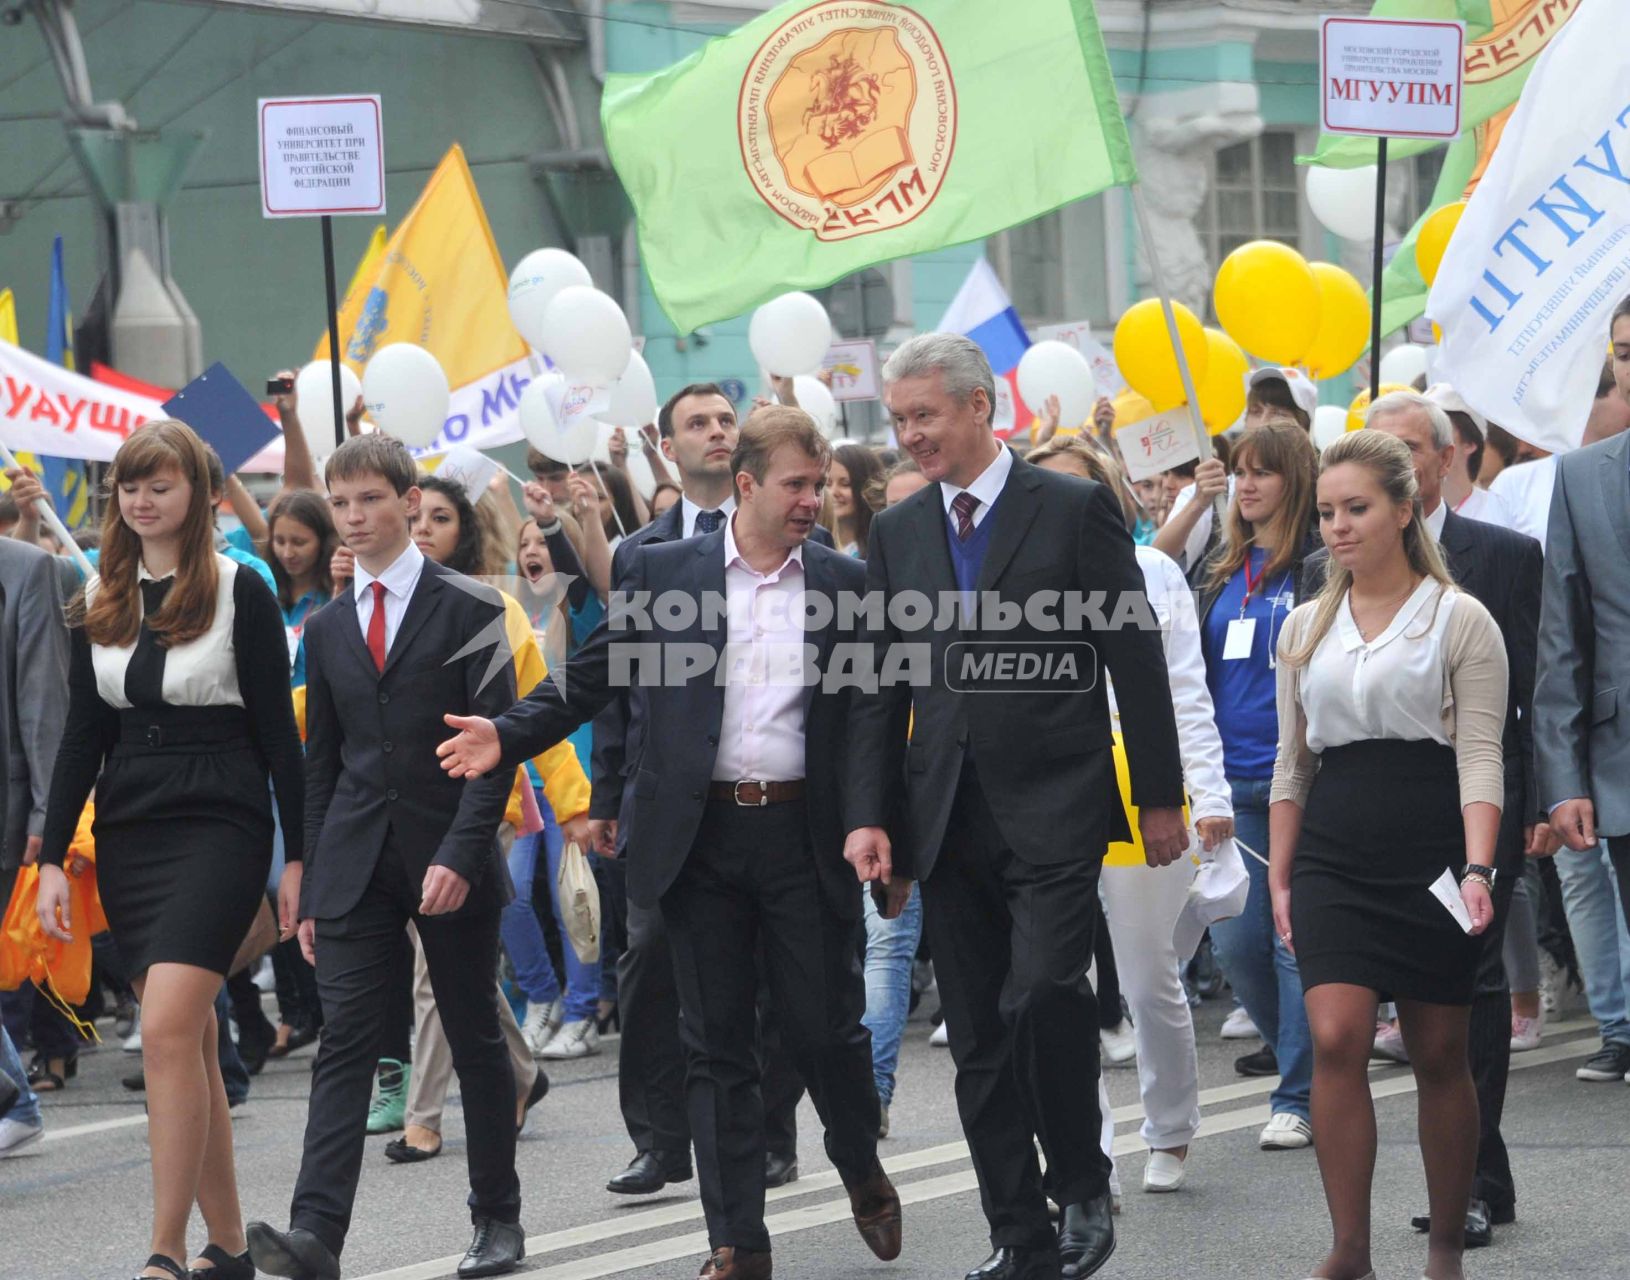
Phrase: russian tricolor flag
(982, 311)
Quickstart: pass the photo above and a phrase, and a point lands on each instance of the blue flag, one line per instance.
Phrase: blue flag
(64, 480)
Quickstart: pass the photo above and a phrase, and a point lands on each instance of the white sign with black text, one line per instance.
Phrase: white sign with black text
(1394, 79)
(322, 156)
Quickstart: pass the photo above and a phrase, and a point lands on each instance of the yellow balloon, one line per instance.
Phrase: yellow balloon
(1267, 298)
(1130, 407)
(1432, 242)
(1222, 394)
(1361, 403)
(1344, 323)
(1144, 353)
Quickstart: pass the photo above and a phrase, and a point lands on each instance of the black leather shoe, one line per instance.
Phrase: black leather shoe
(779, 1170)
(1479, 1224)
(1260, 1063)
(294, 1253)
(1086, 1238)
(495, 1249)
(647, 1174)
(1009, 1263)
(224, 1266)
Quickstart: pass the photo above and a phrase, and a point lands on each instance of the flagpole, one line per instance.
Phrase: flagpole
(1379, 267)
(53, 521)
(333, 329)
(1201, 435)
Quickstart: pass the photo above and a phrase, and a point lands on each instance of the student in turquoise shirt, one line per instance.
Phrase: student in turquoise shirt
(301, 541)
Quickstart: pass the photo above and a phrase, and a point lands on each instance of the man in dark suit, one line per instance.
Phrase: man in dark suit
(1502, 569)
(737, 819)
(697, 431)
(390, 839)
(1010, 797)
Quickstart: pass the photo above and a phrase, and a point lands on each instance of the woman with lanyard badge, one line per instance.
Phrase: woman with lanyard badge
(1246, 589)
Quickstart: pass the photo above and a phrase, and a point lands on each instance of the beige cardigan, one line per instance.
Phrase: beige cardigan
(1475, 687)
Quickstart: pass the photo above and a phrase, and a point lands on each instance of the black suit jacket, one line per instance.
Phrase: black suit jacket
(619, 729)
(1044, 758)
(371, 736)
(1503, 569)
(678, 726)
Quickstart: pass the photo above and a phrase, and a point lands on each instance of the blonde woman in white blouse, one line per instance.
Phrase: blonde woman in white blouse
(1392, 691)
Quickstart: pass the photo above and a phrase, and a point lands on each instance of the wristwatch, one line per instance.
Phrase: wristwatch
(1479, 871)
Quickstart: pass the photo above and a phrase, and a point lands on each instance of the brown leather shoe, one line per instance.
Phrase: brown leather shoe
(876, 1206)
(730, 1263)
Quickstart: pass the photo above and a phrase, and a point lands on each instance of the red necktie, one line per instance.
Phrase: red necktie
(376, 627)
(962, 507)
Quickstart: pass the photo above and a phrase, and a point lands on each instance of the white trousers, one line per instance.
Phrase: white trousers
(1142, 905)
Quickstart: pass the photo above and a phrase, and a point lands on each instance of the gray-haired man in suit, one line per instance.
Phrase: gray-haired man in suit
(1582, 696)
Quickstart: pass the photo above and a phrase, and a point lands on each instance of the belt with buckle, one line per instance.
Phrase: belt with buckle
(750, 793)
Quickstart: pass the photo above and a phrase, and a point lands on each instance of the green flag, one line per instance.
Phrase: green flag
(1503, 37)
(819, 139)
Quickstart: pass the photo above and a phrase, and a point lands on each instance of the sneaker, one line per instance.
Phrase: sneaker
(941, 1038)
(15, 1135)
(1607, 1065)
(132, 1042)
(1526, 1033)
(883, 1121)
(574, 1040)
(542, 1021)
(1119, 1043)
(1238, 1026)
(265, 979)
(1164, 1172)
(388, 1111)
(1285, 1132)
(1260, 1063)
(1389, 1044)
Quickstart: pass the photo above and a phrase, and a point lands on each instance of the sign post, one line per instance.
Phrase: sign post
(323, 157)
(1389, 79)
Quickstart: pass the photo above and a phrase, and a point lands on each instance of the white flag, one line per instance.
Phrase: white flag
(1542, 256)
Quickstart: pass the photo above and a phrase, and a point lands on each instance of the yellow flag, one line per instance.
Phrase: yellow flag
(367, 268)
(439, 283)
(8, 317)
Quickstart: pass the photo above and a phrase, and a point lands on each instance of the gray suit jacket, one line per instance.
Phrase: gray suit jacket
(33, 690)
(1582, 693)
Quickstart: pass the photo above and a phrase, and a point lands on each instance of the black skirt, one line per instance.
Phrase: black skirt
(1382, 822)
(183, 836)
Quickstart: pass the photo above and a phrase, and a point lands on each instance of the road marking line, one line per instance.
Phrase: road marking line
(806, 1217)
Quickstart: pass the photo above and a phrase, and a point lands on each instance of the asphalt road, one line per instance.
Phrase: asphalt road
(76, 1206)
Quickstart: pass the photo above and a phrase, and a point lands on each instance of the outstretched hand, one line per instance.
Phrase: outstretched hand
(474, 751)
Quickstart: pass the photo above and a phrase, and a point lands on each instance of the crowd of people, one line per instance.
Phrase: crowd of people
(271, 738)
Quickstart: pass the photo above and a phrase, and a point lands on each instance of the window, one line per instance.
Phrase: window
(1056, 266)
(1254, 195)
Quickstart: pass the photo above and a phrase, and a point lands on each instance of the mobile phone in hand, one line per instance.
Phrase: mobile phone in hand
(279, 386)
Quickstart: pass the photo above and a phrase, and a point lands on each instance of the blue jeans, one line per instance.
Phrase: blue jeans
(1259, 968)
(522, 931)
(1591, 902)
(891, 946)
(234, 1075)
(26, 1110)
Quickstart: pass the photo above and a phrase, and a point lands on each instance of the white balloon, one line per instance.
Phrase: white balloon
(406, 392)
(1403, 364)
(639, 471)
(790, 335)
(314, 390)
(633, 397)
(573, 445)
(1343, 200)
(1329, 424)
(586, 334)
(815, 399)
(533, 284)
(1057, 369)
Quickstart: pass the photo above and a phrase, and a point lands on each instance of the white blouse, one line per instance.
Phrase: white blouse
(200, 673)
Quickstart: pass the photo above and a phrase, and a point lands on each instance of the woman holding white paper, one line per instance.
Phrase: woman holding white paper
(1385, 807)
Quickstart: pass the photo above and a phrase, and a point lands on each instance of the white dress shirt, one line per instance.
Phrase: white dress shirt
(1198, 742)
(987, 487)
(689, 511)
(1389, 687)
(761, 735)
(1525, 489)
(1435, 519)
(399, 581)
(200, 673)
